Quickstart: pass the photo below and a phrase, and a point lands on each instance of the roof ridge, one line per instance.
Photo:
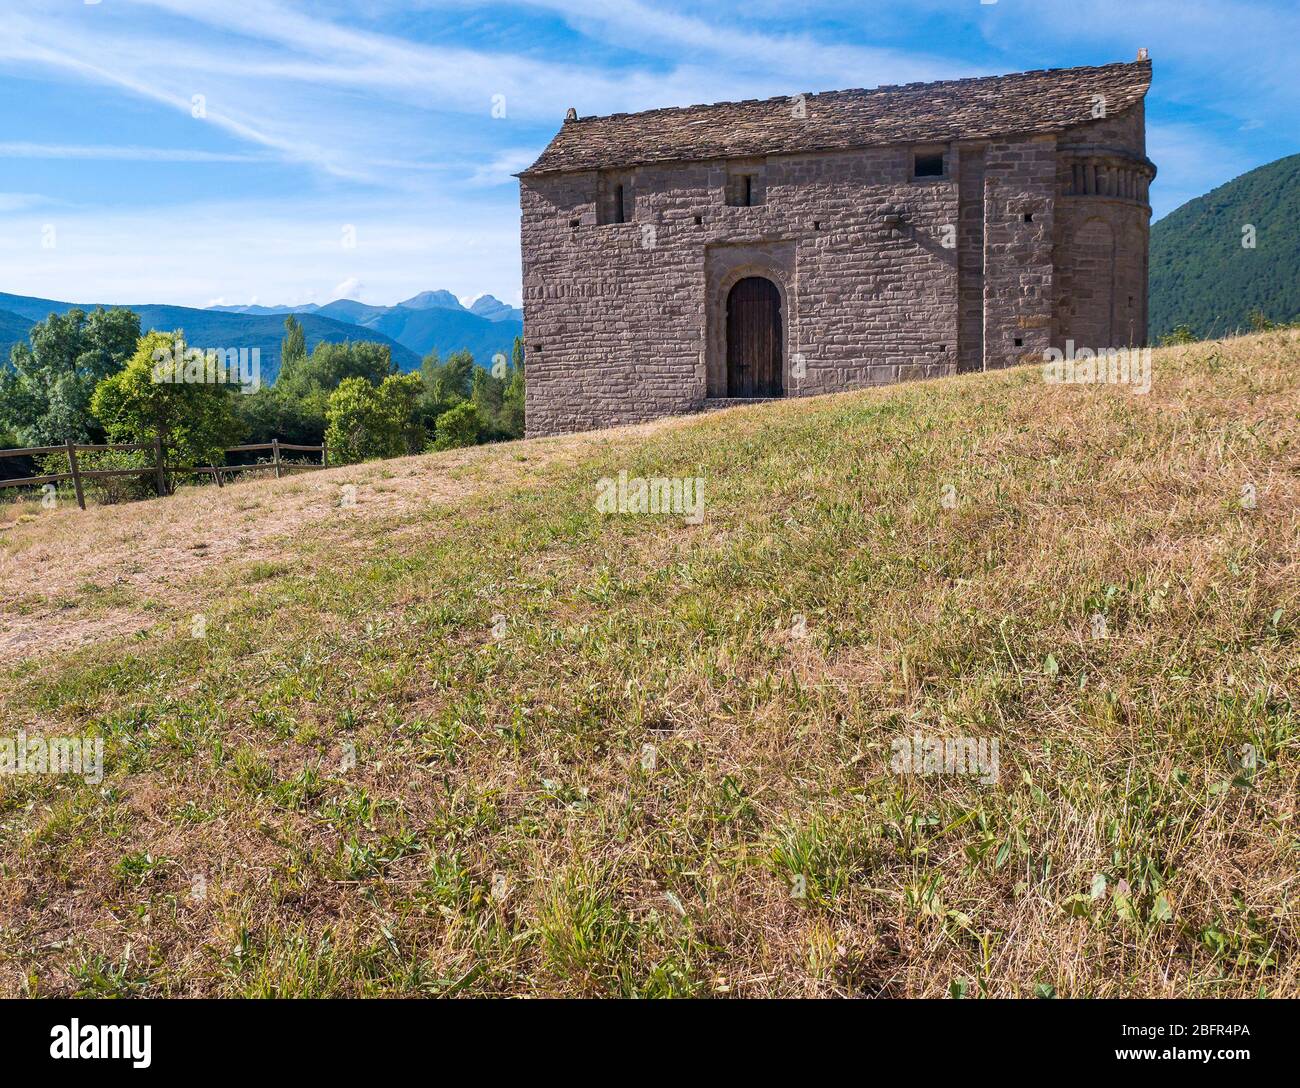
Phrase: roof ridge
(1041, 100)
(861, 90)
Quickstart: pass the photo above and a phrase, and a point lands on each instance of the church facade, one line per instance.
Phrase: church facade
(683, 258)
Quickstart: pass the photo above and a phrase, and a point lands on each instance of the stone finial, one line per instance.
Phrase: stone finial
(1144, 53)
(570, 114)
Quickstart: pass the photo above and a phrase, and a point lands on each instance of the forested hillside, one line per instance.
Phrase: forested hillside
(1209, 270)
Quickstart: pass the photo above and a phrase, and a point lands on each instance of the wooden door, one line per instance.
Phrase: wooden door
(754, 342)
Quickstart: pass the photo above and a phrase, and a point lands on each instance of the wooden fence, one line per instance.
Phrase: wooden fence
(158, 470)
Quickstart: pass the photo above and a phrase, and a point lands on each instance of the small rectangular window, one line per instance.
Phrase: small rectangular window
(927, 164)
(744, 188)
(616, 199)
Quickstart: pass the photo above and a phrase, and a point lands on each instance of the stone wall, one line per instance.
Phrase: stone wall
(970, 257)
(1019, 191)
(883, 277)
(1102, 233)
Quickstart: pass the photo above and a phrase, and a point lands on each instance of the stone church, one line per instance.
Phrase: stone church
(682, 258)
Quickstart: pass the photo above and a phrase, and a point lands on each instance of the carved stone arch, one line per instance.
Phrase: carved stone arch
(727, 266)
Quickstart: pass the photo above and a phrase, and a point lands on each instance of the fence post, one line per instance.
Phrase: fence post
(76, 475)
(160, 473)
(275, 449)
(217, 473)
(324, 454)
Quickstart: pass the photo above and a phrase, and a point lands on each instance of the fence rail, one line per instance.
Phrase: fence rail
(159, 469)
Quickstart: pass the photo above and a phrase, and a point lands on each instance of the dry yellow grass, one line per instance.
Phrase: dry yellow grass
(70, 578)
(668, 769)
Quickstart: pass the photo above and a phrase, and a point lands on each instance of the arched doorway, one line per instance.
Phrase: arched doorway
(754, 341)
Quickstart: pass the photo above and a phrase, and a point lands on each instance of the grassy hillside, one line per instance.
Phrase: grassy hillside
(603, 754)
(1201, 274)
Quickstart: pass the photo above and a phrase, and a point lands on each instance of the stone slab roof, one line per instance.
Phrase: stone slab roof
(1048, 100)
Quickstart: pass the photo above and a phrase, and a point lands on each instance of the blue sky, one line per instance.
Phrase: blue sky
(405, 121)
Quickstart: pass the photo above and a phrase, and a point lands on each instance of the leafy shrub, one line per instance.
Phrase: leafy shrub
(1181, 334)
(108, 491)
(458, 427)
(366, 421)
(117, 489)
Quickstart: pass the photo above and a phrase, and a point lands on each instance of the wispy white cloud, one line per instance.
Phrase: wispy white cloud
(17, 202)
(349, 288)
(801, 59)
(10, 150)
(1234, 56)
(1190, 162)
(502, 167)
(366, 98)
(243, 112)
(360, 106)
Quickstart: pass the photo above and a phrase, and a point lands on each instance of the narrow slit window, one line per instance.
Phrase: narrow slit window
(744, 188)
(616, 198)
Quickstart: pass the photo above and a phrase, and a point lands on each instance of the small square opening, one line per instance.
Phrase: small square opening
(927, 164)
(1029, 217)
(1020, 343)
(699, 220)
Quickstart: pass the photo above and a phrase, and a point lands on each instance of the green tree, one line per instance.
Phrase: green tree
(399, 399)
(1259, 321)
(512, 405)
(143, 402)
(294, 408)
(430, 367)
(1232, 250)
(488, 391)
(47, 384)
(330, 363)
(368, 421)
(457, 427)
(497, 394)
(451, 382)
(293, 348)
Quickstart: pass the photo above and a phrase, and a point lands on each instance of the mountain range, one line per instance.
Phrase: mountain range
(1233, 250)
(429, 321)
(359, 313)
